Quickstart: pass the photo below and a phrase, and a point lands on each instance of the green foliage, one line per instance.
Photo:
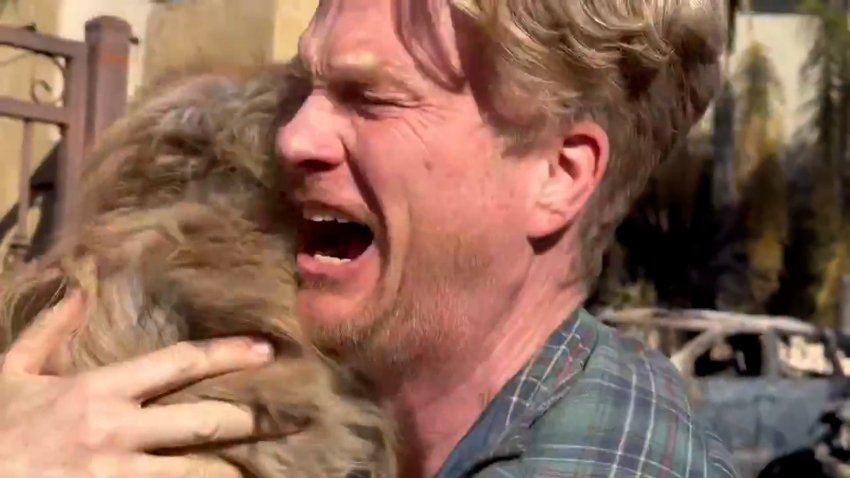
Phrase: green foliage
(758, 87)
(672, 247)
(782, 244)
(827, 71)
(765, 231)
(685, 249)
(760, 174)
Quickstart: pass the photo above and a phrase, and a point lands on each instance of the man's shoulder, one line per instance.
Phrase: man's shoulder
(626, 411)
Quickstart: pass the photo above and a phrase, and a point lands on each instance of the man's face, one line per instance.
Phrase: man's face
(413, 221)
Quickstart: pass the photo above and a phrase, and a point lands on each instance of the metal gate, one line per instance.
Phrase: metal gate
(94, 74)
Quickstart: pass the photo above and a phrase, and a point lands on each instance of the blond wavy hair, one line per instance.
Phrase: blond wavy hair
(645, 70)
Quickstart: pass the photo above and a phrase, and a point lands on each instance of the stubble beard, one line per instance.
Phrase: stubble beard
(422, 327)
(385, 341)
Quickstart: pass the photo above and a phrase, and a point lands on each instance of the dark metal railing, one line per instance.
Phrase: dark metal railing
(94, 94)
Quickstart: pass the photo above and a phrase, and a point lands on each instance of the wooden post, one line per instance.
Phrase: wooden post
(108, 39)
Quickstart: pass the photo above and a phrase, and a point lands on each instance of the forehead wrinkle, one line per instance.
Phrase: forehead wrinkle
(427, 59)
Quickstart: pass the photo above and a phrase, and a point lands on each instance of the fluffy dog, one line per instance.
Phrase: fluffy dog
(184, 236)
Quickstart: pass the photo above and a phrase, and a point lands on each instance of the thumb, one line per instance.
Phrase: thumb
(30, 353)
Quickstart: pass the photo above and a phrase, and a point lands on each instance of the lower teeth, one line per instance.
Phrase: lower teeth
(331, 260)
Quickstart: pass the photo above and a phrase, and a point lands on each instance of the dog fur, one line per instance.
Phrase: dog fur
(184, 236)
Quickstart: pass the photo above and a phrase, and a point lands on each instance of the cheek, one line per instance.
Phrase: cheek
(474, 212)
(434, 183)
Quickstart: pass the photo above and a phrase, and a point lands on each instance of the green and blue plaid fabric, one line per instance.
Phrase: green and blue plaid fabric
(591, 404)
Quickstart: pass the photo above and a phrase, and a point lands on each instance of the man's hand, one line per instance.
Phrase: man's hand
(92, 425)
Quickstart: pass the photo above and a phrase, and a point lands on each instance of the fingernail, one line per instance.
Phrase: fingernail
(262, 350)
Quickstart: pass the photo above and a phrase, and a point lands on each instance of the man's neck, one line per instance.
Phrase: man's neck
(439, 405)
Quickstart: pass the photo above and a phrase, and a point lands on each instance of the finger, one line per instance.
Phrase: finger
(149, 466)
(178, 365)
(31, 351)
(185, 424)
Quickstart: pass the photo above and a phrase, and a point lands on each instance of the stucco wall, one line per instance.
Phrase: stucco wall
(292, 18)
(189, 31)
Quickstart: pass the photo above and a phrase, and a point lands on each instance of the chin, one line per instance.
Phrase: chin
(325, 313)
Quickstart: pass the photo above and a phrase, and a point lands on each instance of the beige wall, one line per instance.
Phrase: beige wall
(292, 18)
(232, 31)
(240, 32)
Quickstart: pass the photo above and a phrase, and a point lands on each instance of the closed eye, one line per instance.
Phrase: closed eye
(355, 94)
(366, 102)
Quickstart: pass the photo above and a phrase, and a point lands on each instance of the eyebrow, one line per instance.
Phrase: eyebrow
(360, 68)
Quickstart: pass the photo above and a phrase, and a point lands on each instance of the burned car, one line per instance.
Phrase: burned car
(762, 383)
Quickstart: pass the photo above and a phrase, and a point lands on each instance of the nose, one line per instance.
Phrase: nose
(312, 140)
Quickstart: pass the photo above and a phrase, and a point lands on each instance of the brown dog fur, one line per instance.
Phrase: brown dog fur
(184, 237)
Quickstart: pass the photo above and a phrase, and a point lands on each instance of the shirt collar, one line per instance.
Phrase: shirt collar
(501, 431)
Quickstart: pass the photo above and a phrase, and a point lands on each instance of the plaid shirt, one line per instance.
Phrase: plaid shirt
(591, 404)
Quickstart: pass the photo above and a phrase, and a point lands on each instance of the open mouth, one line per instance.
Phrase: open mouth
(332, 238)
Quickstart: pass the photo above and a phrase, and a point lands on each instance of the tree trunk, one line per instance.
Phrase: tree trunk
(725, 187)
(842, 154)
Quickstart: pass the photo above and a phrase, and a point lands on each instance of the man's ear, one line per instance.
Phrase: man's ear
(568, 177)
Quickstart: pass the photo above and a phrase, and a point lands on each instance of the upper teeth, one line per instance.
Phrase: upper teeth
(326, 218)
(319, 214)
